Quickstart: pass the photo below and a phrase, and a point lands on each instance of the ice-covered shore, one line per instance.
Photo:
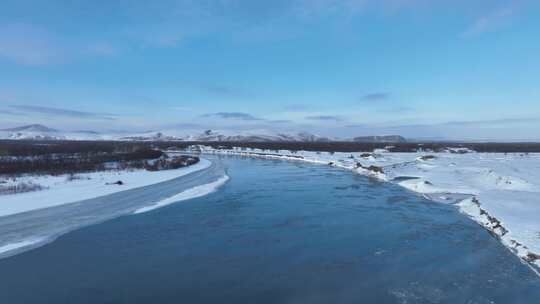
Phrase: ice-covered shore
(60, 190)
(27, 230)
(499, 191)
(190, 193)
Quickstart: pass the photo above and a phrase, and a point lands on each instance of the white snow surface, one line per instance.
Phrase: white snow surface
(507, 185)
(194, 192)
(39, 132)
(58, 190)
(19, 245)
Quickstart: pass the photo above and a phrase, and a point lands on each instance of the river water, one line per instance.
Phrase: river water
(277, 232)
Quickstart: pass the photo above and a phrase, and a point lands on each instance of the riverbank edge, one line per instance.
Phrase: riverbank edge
(471, 206)
(23, 245)
(70, 192)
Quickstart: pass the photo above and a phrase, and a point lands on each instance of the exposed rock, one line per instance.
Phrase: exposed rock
(119, 183)
(532, 257)
(372, 168)
(376, 169)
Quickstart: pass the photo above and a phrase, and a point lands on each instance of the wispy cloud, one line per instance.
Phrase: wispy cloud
(494, 20)
(464, 124)
(325, 118)
(317, 8)
(61, 112)
(227, 91)
(12, 113)
(280, 121)
(297, 107)
(511, 128)
(189, 126)
(245, 20)
(378, 96)
(239, 116)
(234, 115)
(501, 121)
(102, 49)
(29, 45)
(397, 109)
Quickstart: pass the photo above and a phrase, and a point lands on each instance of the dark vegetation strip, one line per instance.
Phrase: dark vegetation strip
(31, 148)
(363, 147)
(76, 157)
(369, 147)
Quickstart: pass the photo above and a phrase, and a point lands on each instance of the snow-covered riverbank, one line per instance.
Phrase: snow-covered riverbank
(59, 190)
(499, 191)
(36, 227)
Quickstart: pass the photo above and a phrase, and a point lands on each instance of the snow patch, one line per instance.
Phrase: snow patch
(194, 192)
(58, 190)
(19, 245)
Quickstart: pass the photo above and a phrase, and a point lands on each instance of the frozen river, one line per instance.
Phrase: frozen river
(277, 232)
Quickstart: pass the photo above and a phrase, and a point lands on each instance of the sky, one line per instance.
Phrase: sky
(434, 69)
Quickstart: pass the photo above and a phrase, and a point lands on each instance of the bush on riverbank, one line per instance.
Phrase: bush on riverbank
(90, 161)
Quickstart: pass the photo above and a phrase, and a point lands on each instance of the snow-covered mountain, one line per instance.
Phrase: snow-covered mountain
(227, 136)
(41, 132)
(35, 131)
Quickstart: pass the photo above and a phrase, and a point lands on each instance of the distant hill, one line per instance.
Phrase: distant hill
(227, 136)
(380, 139)
(41, 132)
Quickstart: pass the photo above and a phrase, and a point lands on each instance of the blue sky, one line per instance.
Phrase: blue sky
(438, 69)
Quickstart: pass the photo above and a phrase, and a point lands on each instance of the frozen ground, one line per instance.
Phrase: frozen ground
(59, 190)
(499, 191)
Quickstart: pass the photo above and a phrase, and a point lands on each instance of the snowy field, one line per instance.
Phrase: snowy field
(61, 189)
(499, 191)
